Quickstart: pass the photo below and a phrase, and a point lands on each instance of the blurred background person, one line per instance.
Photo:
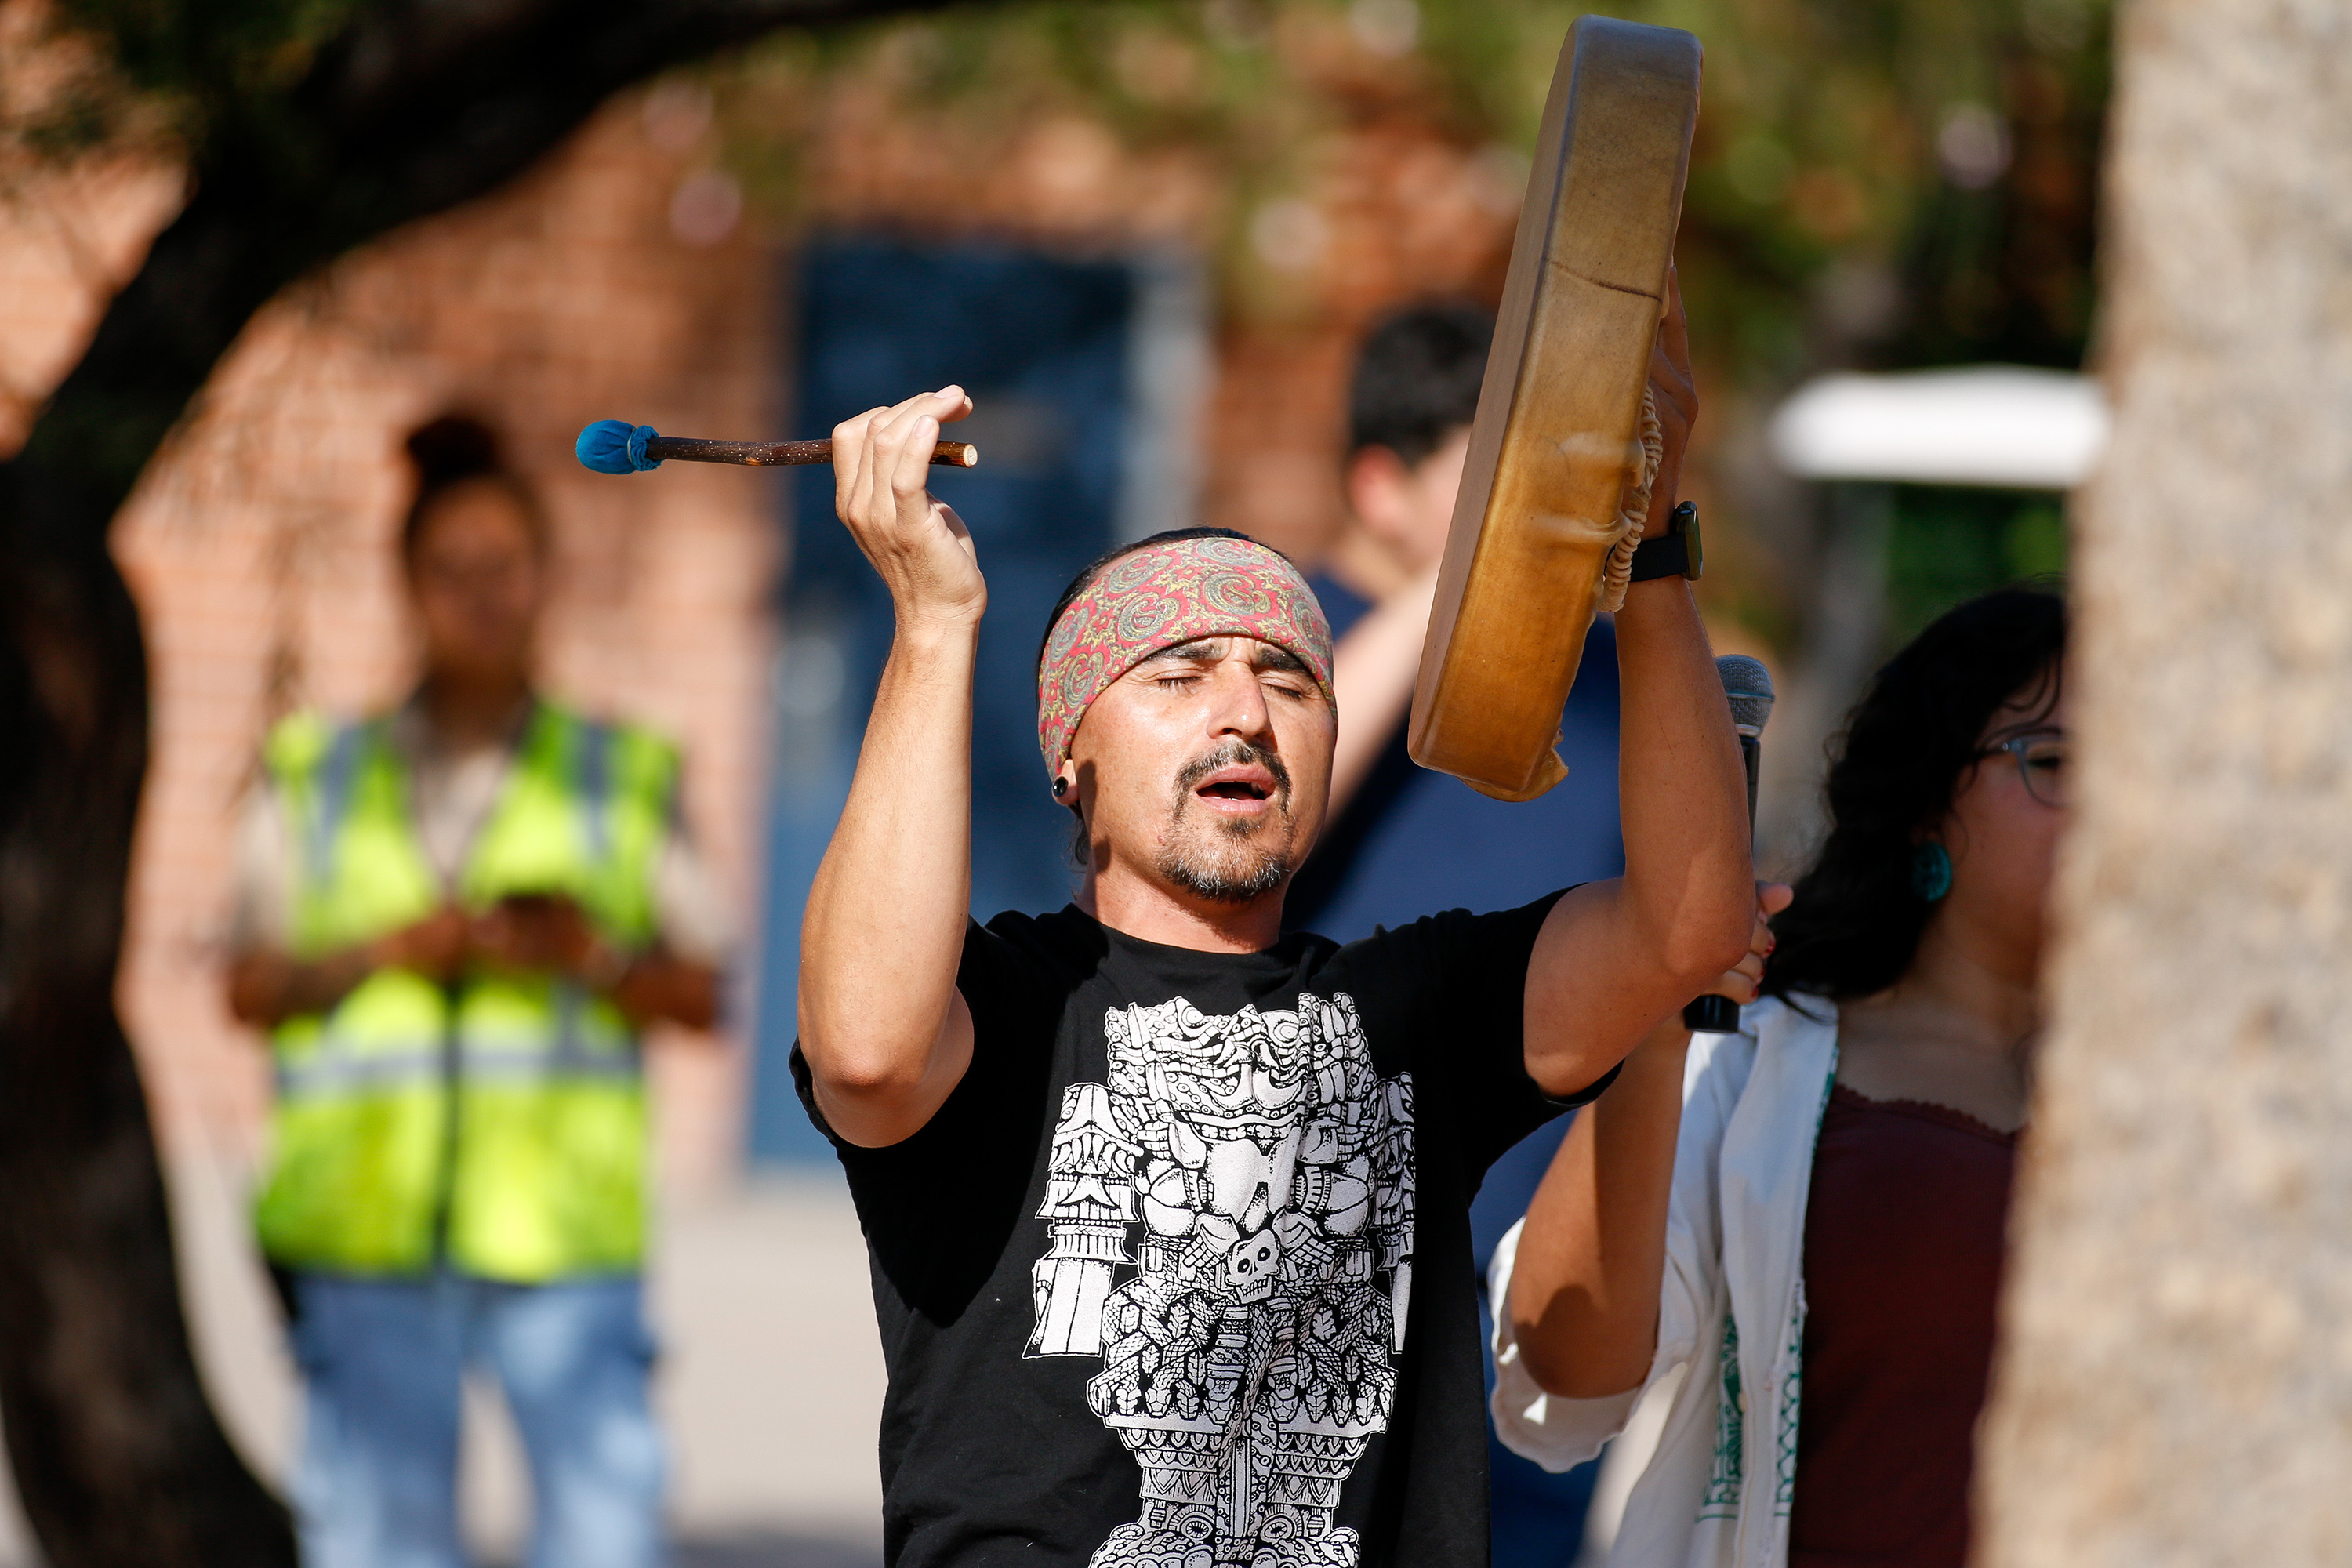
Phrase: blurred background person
(1403, 839)
(454, 918)
(1832, 1218)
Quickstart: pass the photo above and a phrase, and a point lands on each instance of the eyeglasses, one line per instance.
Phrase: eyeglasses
(2040, 763)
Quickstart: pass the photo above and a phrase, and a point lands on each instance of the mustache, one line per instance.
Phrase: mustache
(1233, 753)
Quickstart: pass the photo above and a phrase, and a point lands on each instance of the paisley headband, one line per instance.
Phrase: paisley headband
(1162, 595)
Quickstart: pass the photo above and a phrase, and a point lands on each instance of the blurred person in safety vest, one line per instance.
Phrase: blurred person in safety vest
(453, 918)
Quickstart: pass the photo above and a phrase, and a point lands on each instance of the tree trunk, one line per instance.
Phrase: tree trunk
(118, 1457)
(117, 1454)
(2176, 1381)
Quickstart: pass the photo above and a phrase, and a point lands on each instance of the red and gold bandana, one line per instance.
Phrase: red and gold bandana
(1163, 594)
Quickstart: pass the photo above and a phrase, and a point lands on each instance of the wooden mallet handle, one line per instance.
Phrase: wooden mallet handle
(617, 446)
(785, 453)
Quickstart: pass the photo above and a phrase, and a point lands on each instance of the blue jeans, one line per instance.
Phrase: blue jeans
(382, 1360)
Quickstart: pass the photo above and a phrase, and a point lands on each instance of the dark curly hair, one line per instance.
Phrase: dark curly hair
(1855, 923)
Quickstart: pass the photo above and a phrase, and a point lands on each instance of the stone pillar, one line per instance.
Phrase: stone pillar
(2175, 1385)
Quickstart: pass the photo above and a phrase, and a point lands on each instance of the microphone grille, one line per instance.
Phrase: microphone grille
(1747, 687)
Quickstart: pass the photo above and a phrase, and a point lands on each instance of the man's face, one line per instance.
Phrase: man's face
(1206, 769)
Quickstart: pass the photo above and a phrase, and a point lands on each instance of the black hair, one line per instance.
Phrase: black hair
(455, 449)
(1081, 850)
(1417, 378)
(1855, 923)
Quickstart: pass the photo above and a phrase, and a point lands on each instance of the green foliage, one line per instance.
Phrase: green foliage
(1945, 546)
(210, 51)
(1157, 74)
(2034, 539)
(1889, 181)
(181, 69)
(1877, 182)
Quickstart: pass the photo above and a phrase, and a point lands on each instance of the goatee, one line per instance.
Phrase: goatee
(1219, 861)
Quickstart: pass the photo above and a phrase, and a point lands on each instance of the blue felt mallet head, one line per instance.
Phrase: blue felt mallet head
(616, 446)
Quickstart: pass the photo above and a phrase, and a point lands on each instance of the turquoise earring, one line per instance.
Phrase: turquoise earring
(1931, 871)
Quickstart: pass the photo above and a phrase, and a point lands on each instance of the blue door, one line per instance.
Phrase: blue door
(1043, 345)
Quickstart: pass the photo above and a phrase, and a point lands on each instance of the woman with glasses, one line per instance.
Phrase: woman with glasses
(1785, 1244)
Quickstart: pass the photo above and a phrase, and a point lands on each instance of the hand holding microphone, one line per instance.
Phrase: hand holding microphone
(1717, 1012)
(1748, 688)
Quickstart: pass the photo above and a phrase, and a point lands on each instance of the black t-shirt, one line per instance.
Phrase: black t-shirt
(1139, 1278)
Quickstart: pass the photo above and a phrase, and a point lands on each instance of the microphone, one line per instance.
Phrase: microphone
(1748, 688)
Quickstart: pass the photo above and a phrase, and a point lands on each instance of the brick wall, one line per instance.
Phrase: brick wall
(259, 545)
(1383, 204)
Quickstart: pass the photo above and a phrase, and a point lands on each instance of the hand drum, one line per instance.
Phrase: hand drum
(1557, 444)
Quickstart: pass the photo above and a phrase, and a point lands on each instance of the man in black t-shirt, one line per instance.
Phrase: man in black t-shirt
(1168, 1211)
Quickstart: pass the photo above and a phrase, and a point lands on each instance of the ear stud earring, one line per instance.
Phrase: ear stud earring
(1931, 871)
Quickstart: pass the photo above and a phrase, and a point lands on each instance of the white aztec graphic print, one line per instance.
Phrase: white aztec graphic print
(1250, 1354)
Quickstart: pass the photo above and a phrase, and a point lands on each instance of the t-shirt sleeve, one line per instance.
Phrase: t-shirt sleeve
(1001, 988)
(937, 1206)
(1474, 971)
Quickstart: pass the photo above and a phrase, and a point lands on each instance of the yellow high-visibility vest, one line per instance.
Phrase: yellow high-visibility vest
(497, 1123)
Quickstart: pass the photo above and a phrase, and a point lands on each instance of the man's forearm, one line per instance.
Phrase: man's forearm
(1682, 791)
(1616, 957)
(1584, 1286)
(884, 931)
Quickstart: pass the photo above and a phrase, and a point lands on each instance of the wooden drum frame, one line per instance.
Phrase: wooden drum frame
(1556, 448)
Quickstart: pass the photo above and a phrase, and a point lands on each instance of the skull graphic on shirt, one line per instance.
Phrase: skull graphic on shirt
(1250, 1355)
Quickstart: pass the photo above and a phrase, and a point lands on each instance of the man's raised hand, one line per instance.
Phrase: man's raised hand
(886, 1034)
(881, 471)
(1674, 393)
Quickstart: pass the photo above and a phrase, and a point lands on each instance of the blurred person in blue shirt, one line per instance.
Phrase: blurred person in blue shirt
(1405, 840)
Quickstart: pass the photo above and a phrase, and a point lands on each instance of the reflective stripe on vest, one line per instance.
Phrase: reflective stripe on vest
(502, 1122)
